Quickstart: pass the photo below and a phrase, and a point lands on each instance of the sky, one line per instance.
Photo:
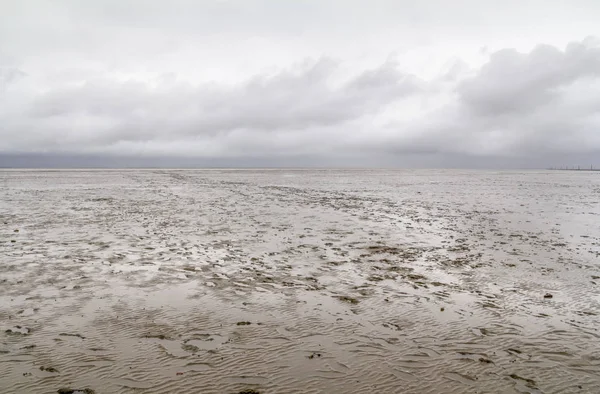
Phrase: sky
(303, 83)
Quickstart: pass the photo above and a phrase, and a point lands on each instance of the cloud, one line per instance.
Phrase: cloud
(521, 82)
(8, 76)
(545, 101)
(106, 111)
(540, 103)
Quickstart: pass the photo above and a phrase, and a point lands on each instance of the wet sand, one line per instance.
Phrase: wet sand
(298, 281)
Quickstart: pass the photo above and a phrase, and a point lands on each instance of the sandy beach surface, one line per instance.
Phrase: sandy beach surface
(299, 281)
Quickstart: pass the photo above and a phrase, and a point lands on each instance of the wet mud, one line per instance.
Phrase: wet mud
(299, 281)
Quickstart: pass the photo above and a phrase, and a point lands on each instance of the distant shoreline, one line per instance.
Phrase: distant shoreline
(575, 169)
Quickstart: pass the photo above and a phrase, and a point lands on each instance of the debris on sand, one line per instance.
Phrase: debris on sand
(64, 334)
(243, 323)
(384, 249)
(547, 295)
(350, 300)
(528, 382)
(76, 391)
(159, 336)
(249, 391)
(49, 369)
(415, 277)
(18, 330)
(190, 348)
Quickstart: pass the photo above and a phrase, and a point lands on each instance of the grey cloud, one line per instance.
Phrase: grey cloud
(544, 102)
(517, 106)
(521, 82)
(9, 75)
(285, 101)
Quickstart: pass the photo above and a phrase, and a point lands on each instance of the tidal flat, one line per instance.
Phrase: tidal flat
(299, 281)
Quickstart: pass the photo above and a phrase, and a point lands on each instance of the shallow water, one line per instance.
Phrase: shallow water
(299, 281)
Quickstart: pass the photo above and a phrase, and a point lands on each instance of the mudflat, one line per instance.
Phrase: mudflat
(299, 281)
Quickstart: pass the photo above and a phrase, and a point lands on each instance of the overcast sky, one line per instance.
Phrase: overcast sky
(477, 83)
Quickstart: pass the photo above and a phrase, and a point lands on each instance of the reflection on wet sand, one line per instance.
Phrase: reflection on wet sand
(252, 281)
